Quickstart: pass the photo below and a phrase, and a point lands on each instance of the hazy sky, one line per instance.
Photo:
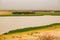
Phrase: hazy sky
(30, 4)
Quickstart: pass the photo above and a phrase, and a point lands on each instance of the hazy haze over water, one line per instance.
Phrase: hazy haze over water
(30, 4)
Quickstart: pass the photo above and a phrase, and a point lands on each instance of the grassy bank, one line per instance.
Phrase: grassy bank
(32, 28)
(33, 14)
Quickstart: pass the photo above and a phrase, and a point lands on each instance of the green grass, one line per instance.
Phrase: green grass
(35, 14)
(31, 28)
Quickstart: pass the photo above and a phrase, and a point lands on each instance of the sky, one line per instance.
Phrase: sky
(29, 4)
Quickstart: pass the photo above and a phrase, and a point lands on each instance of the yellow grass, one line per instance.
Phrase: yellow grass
(5, 13)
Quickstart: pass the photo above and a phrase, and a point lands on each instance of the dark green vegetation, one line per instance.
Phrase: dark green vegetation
(31, 28)
(23, 12)
(35, 13)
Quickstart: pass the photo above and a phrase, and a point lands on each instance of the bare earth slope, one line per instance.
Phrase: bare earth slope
(49, 32)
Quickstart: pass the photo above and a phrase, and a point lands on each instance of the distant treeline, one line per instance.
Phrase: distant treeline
(23, 12)
(47, 10)
(32, 12)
